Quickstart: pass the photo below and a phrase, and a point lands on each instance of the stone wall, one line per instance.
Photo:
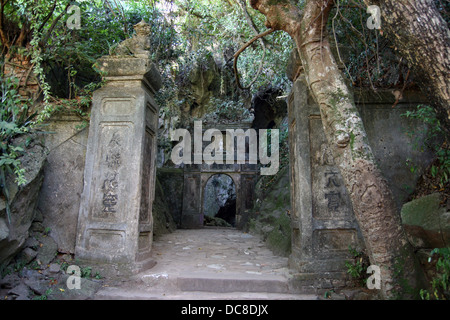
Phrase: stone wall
(386, 129)
(59, 200)
(163, 222)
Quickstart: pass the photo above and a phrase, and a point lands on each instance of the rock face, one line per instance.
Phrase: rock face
(228, 212)
(162, 218)
(269, 111)
(426, 222)
(171, 181)
(23, 202)
(219, 189)
(271, 213)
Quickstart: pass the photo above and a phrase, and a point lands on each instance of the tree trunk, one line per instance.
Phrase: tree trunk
(422, 37)
(372, 200)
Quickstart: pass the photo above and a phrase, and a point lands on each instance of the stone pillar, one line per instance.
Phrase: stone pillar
(323, 223)
(115, 222)
(192, 215)
(246, 198)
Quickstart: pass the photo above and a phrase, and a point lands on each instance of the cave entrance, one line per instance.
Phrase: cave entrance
(219, 201)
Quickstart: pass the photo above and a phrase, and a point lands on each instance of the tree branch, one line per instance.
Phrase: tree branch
(252, 25)
(245, 46)
(3, 36)
(23, 34)
(47, 17)
(50, 30)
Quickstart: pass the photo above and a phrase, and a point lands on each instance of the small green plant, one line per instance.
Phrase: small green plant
(86, 272)
(429, 137)
(44, 296)
(328, 294)
(47, 231)
(357, 268)
(13, 267)
(64, 266)
(440, 284)
(34, 265)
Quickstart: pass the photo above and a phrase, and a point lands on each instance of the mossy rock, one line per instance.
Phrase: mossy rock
(271, 219)
(163, 222)
(427, 222)
(279, 239)
(215, 222)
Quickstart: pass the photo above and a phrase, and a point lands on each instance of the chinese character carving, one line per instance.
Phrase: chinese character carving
(332, 179)
(334, 199)
(113, 162)
(333, 187)
(110, 196)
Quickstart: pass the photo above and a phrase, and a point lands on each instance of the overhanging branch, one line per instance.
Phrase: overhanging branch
(245, 46)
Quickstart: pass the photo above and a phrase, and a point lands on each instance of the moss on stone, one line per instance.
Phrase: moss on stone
(162, 218)
(270, 217)
(279, 239)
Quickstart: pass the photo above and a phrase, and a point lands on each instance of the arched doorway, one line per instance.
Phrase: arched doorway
(219, 201)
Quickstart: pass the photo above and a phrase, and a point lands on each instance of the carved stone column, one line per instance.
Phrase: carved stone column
(115, 222)
(323, 223)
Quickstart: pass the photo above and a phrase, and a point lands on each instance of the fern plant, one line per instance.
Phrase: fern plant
(357, 268)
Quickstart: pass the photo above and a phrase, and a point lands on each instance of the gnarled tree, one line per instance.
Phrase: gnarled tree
(372, 200)
(422, 38)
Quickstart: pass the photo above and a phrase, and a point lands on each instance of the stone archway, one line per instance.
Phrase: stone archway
(244, 179)
(236, 178)
(220, 198)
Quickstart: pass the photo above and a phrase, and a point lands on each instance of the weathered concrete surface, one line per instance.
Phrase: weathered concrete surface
(387, 133)
(323, 224)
